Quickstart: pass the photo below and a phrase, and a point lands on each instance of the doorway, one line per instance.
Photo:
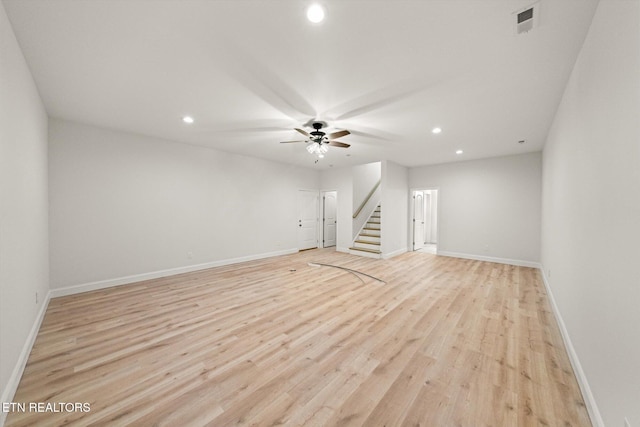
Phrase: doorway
(329, 218)
(425, 220)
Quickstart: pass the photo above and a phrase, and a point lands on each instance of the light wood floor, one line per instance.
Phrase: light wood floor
(445, 342)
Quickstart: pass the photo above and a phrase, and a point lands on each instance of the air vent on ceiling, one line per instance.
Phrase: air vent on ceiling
(526, 19)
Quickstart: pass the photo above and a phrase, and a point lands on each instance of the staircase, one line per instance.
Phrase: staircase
(368, 241)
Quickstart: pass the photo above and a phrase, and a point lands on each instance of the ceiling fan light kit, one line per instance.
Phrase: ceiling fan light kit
(317, 148)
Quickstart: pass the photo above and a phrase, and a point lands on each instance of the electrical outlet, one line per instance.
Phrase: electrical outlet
(626, 422)
(189, 254)
(486, 248)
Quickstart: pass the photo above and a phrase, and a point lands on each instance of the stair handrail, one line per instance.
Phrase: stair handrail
(373, 190)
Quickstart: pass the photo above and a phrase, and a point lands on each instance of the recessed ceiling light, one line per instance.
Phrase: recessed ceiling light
(187, 119)
(436, 130)
(315, 13)
(459, 152)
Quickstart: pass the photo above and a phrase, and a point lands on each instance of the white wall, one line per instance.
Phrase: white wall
(591, 210)
(489, 208)
(123, 204)
(364, 178)
(394, 217)
(24, 265)
(341, 180)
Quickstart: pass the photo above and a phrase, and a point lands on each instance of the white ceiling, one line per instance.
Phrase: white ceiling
(251, 71)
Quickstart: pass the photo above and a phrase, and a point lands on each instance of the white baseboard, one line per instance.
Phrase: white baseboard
(394, 253)
(587, 395)
(12, 386)
(517, 262)
(102, 284)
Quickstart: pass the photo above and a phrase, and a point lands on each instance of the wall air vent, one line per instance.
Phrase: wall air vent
(526, 19)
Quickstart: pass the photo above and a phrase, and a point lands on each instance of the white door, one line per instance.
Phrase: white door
(329, 219)
(418, 220)
(307, 219)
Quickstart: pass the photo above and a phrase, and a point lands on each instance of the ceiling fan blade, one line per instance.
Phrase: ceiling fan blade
(369, 132)
(383, 97)
(288, 142)
(257, 77)
(339, 134)
(304, 132)
(339, 144)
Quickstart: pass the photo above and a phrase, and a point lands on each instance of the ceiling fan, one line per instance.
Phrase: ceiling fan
(318, 141)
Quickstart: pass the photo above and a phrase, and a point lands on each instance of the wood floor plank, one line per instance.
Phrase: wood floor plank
(443, 342)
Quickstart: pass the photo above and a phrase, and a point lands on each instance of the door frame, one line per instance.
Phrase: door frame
(322, 193)
(412, 212)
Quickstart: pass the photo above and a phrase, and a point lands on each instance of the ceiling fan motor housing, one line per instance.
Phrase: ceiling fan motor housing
(317, 134)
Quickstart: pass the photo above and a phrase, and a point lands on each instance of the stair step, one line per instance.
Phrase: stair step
(367, 242)
(366, 245)
(370, 229)
(372, 251)
(369, 235)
